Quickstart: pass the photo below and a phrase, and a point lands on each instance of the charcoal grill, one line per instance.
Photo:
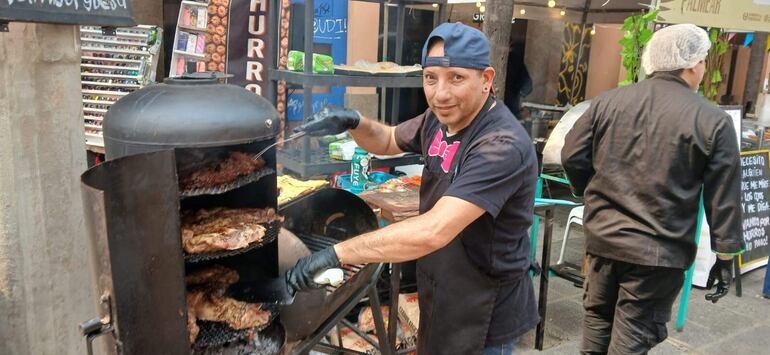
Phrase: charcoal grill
(133, 211)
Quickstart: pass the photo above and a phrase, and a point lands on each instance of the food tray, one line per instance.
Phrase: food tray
(218, 333)
(271, 234)
(240, 182)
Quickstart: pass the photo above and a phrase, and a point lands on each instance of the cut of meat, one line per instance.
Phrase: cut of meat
(253, 215)
(194, 300)
(206, 301)
(236, 164)
(223, 239)
(202, 305)
(214, 275)
(217, 229)
(238, 315)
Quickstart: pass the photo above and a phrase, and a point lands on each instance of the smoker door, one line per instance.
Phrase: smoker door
(132, 214)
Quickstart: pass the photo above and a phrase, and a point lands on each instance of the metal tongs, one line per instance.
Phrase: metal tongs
(291, 138)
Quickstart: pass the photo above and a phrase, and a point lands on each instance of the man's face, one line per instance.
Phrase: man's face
(700, 69)
(454, 94)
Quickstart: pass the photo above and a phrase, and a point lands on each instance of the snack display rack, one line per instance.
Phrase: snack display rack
(306, 162)
(114, 62)
(200, 40)
(190, 38)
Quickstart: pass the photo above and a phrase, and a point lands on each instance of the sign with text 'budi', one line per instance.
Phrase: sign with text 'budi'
(755, 202)
(113, 13)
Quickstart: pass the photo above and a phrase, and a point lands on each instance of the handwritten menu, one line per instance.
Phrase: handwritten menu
(755, 184)
(113, 13)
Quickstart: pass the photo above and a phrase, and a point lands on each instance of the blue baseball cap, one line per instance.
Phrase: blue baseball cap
(464, 47)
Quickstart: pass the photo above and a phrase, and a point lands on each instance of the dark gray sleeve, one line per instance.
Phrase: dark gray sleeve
(722, 191)
(408, 134)
(577, 153)
(491, 173)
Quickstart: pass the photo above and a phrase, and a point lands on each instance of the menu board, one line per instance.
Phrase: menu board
(755, 183)
(113, 13)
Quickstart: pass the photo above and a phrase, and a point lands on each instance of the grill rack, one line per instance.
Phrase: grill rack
(271, 234)
(217, 333)
(239, 182)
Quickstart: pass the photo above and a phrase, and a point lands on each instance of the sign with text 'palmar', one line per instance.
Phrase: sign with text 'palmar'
(755, 202)
(748, 15)
(112, 13)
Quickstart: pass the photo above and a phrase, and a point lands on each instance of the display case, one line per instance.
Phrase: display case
(114, 63)
(190, 39)
(305, 161)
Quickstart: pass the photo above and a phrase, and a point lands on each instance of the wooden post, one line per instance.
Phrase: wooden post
(497, 26)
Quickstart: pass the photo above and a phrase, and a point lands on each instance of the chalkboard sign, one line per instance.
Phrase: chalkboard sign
(113, 13)
(755, 180)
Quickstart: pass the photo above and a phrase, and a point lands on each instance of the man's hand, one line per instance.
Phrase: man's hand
(721, 273)
(329, 121)
(300, 277)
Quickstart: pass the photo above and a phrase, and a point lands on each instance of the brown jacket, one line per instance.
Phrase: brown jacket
(640, 155)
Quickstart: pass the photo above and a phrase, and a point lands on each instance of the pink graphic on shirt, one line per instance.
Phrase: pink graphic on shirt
(440, 148)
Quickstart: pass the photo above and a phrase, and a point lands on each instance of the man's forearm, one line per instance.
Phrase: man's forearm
(374, 137)
(398, 242)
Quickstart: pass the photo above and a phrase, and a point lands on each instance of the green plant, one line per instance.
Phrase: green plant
(637, 34)
(714, 61)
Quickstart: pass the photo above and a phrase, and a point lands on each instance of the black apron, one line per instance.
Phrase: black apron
(456, 299)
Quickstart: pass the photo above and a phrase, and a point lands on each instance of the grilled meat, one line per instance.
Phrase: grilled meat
(236, 165)
(215, 275)
(211, 305)
(224, 238)
(237, 314)
(217, 229)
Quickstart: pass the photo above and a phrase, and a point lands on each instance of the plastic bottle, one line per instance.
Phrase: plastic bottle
(359, 170)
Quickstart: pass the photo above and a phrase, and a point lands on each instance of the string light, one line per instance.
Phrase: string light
(434, 5)
(593, 30)
(551, 3)
(478, 4)
(563, 12)
(482, 8)
(523, 12)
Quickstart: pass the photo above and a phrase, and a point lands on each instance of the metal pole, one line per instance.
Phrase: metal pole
(682, 314)
(546, 265)
(307, 89)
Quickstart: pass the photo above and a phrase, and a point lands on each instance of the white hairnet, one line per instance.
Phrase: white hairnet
(675, 47)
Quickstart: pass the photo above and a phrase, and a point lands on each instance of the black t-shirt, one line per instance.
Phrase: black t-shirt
(498, 173)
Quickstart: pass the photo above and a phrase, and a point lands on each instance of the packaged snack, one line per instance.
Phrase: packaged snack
(192, 41)
(201, 18)
(186, 16)
(181, 43)
(322, 64)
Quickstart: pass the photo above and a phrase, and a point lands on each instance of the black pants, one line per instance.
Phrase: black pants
(626, 306)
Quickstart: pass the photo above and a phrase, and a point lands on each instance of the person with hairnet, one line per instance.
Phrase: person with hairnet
(640, 156)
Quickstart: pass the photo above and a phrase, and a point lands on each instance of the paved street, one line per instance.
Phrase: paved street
(733, 325)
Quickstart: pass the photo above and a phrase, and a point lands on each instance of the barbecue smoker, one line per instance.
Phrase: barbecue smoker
(137, 201)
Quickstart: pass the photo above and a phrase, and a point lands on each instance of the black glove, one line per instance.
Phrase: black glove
(300, 277)
(329, 121)
(721, 273)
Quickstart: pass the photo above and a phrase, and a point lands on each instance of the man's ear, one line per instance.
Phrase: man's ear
(489, 75)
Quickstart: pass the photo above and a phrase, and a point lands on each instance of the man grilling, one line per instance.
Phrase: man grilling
(476, 203)
(641, 155)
